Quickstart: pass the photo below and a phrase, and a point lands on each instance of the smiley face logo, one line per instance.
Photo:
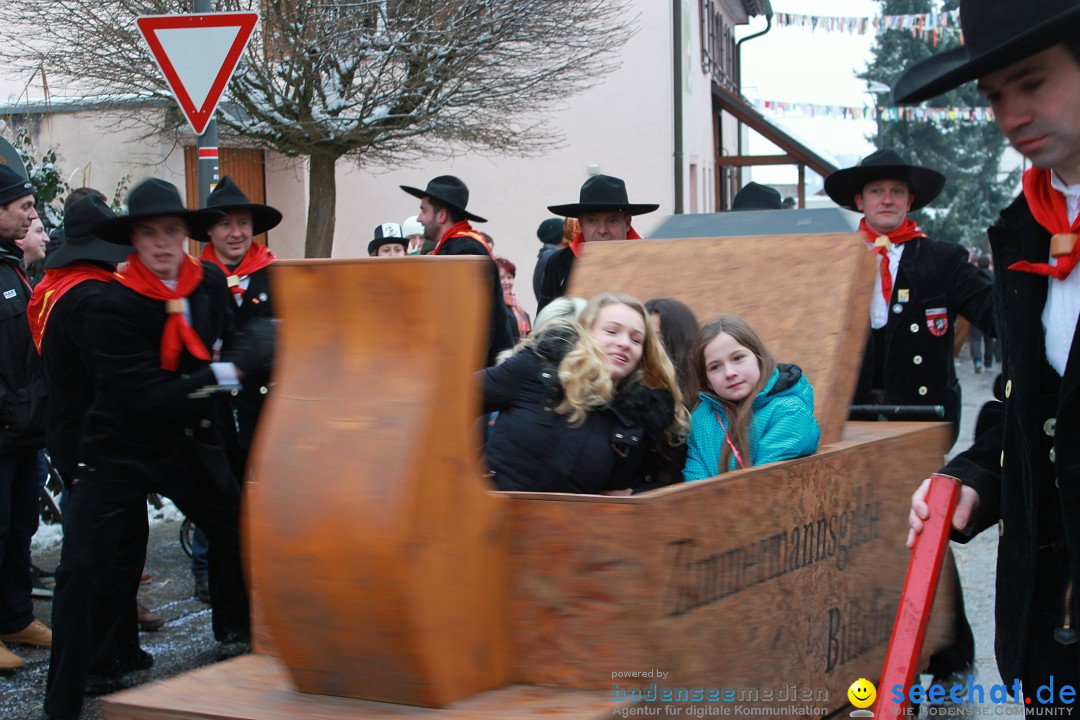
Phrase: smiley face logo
(862, 693)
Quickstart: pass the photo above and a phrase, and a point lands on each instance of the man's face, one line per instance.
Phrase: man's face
(415, 243)
(159, 243)
(596, 226)
(390, 250)
(231, 236)
(1036, 104)
(885, 204)
(16, 216)
(432, 220)
(33, 245)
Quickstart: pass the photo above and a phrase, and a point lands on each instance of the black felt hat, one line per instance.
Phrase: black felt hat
(155, 198)
(997, 33)
(757, 197)
(386, 234)
(449, 191)
(76, 241)
(13, 185)
(228, 196)
(924, 184)
(602, 193)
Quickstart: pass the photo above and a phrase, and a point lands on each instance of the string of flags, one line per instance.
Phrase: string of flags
(924, 25)
(894, 114)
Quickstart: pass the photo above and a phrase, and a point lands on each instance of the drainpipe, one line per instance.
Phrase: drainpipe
(738, 58)
(677, 104)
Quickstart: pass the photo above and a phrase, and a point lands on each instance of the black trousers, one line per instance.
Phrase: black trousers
(18, 523)
(959, 656)
(1047, 659)
(92, 602)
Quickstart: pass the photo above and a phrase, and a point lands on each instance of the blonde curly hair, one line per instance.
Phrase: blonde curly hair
(585, 374)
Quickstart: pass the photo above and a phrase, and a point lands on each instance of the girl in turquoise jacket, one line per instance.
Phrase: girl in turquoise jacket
(753, 411)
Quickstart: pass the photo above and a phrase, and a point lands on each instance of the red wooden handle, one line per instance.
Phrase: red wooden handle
(924, 569)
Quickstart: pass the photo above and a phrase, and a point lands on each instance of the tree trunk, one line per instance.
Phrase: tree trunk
(322, 205)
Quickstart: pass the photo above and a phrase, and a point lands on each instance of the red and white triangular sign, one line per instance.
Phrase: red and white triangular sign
(198, 54)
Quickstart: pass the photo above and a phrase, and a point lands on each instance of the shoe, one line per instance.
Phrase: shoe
(202, 589)
(8, 660)
(138, 660)
(148, 621)
(978, 368)
(107, 684)
(36, 633)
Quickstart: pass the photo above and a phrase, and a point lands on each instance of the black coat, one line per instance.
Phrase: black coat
(1009, 462)
(533, 448)
(23, 389)
(67, 351)
(500, 336)
(556, 275)
(145, 423)
(258, 303)
(918, 358)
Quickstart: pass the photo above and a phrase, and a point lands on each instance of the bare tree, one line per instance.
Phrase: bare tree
(377, 81)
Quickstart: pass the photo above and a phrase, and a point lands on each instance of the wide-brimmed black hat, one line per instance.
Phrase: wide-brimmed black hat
(77, 242)
(154, 198)
(602, 193)
(227, 196)
(449, 191)
(387, 234)
(757, 197)
(997, 33)
(923, 184)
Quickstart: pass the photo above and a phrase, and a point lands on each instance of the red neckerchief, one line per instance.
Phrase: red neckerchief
(52, 287)
(578, 241)
(177, 334)
(1049, 210)
(463, 229)
(519, 314)
(256, 258)
(908, 230)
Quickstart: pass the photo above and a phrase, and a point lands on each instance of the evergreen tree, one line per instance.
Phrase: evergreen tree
(967, 152)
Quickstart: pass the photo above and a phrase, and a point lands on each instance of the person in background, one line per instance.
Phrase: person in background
(521, 324)
(982, 345)
(550, 234)
(413, 232)
(388, 241)
(753, 196)
(753, 410)
(678, 329)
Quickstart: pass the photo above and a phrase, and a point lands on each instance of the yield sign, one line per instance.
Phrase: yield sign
(198, 54)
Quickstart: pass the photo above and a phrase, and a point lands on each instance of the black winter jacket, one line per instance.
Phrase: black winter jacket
(533, 448)
(23, 390)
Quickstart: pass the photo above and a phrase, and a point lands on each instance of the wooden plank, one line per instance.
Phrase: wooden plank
(788, 573)
(259, 688)
(808, 296)
(376, 551)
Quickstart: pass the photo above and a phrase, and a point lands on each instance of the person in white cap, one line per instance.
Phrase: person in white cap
(414, 235)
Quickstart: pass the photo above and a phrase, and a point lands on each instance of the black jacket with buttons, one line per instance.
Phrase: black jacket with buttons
(257, 303)
(23, 389)
(533, 448)
(917, 342)
(1006, 465)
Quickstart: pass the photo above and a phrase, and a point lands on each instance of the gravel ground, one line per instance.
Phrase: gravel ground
(186, 642)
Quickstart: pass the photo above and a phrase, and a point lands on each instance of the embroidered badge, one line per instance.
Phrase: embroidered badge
(937, 320)
(8, 294)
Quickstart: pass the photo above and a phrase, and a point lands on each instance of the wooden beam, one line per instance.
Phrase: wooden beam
(748, 160)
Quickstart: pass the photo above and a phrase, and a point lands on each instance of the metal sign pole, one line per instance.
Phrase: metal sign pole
(207, 149)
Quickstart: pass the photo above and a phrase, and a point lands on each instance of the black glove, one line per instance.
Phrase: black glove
(251, 349)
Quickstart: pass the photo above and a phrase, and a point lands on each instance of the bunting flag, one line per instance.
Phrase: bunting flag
(926, 25)
(893, 114)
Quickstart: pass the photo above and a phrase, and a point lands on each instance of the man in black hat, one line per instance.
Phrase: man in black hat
(61, 314)
(605, 213)
(22, 424)
(1023, 472)
(920, 286)
(388, 241)
(152, 426)
(754, 196)
(446, 223)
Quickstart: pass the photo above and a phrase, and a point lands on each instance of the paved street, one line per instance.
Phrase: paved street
(186, 642)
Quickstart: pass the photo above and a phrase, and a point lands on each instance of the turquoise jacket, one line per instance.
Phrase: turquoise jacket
(783, 426)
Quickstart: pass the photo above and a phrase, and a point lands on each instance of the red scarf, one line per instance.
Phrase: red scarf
(256, 258)
(578, 241)
(519, 314)
(177, 334)
(463, 229)
(52, 287)
(1049, 209)
(908, 230)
